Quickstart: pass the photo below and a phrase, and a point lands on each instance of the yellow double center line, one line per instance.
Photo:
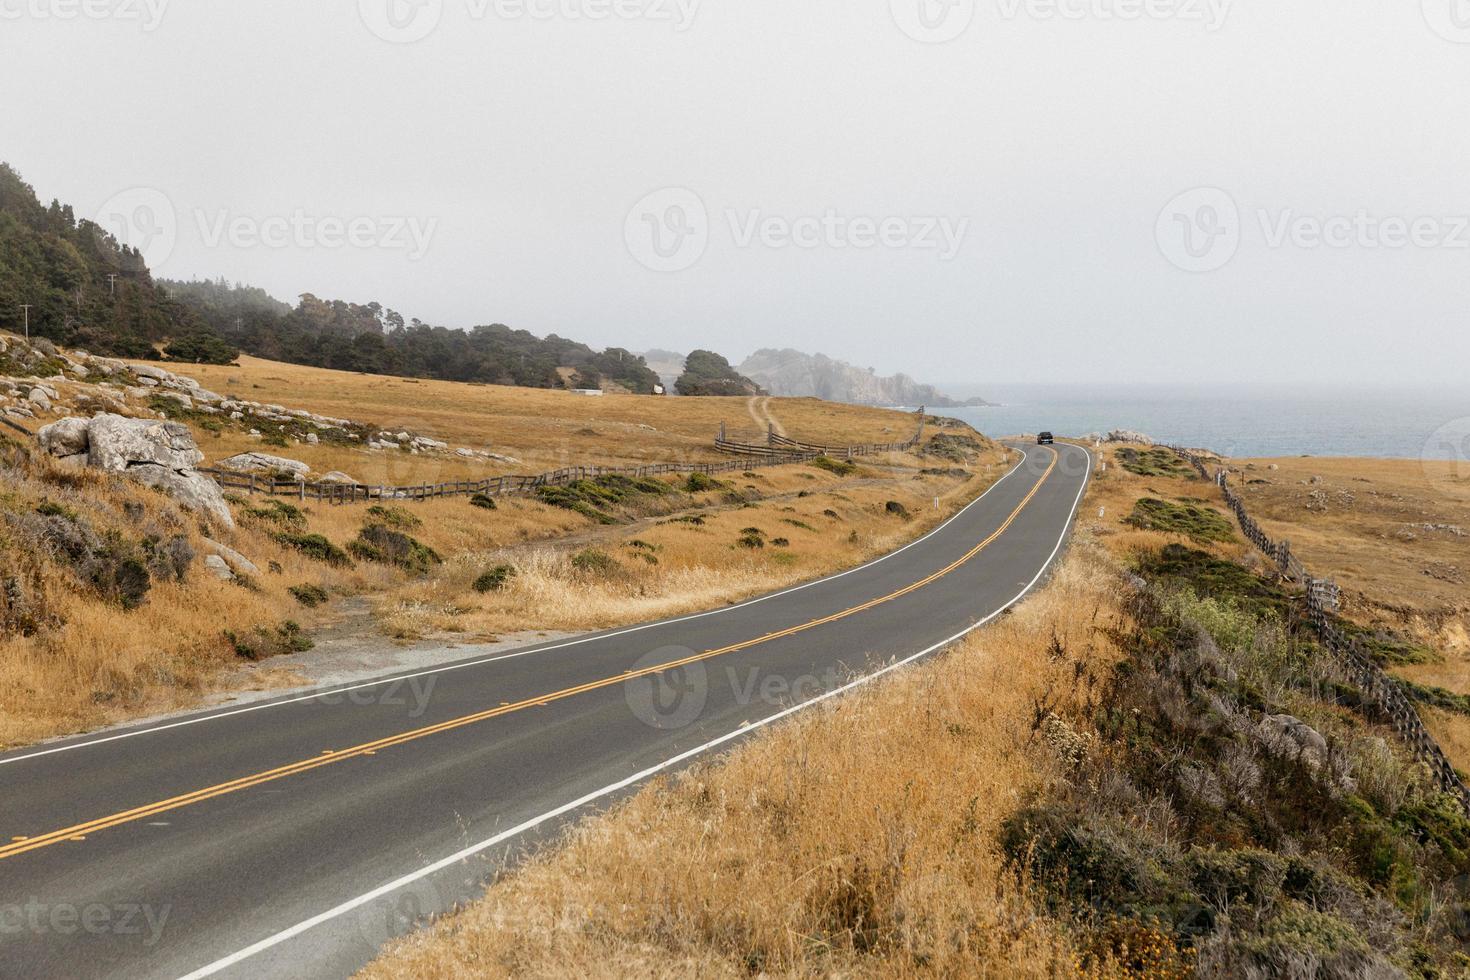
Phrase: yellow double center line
(21, 845)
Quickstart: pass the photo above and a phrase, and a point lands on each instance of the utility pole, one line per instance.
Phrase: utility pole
(27, 308)
(112, 283)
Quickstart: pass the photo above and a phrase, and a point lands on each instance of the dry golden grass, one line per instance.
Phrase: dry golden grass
(95, 663)
(1380, 528)
(545, 429)
(857, 839)
(665, 567)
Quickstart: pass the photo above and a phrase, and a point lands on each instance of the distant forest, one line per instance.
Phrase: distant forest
(87, 290)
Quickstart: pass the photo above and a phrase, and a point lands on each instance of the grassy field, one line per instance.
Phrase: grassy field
(106, 613)
(1093, 786)
(546, 430)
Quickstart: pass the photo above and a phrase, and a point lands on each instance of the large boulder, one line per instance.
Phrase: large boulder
(265, 463)
(65, 438)
(157, 454)
(116, 443)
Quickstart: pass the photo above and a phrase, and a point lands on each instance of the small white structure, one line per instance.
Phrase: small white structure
(589, 392)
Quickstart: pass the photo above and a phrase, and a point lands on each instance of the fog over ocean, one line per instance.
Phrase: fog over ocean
(1237, 420)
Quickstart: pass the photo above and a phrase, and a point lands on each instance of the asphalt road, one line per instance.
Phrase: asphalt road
(294, 837)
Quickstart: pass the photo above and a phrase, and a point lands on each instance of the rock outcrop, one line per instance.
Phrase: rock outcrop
(158, 454)
(266, 463)
(793, 374)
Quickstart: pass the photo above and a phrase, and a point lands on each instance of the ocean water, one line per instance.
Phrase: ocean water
(1239, 420)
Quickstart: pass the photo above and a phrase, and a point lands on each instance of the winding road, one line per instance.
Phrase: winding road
(293, 837)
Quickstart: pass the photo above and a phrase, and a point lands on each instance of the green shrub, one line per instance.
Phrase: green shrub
(273, 511)
(780, 543)
(262, 643)
(700, 482)
(495, 579)
(309, 596)
(839, 467)
(1157, 462)
(796, 523)
(382, 544)
(484, 502)
(752, 541)
(313, 546)
(394, 517)
(594, 562)
(1200, 523)
(896, 509)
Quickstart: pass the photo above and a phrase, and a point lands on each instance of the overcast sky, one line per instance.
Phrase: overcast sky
(1141, 190)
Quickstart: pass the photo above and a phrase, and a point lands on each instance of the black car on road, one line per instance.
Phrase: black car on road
(1046, 439)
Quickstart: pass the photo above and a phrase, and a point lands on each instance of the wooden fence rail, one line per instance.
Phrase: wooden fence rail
(1322, 598)
(753, 457)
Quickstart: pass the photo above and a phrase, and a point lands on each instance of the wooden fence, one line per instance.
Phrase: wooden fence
(1323, 598)
(777, 444)
(753, 457)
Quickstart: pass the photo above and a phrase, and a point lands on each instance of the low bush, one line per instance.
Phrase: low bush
(1202, 524)
(484, 502)
(1156, 461)
(309, 596)
(896, 509)
(394, 517)
(313, 546)
(594, 562)
(595, 498)
(277, 512)
(495, 579)
(838, 467)
(262, 643)
(382, 544)
(700, 482)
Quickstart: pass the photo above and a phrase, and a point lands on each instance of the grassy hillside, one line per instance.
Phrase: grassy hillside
(1149, 769)
(107, 611)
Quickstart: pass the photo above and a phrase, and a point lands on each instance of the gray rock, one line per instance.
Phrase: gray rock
(38, 398)
(336, 477)
(192, 490)
(1289, 735)
(65, 438)
(219, 568)
(265, 463)
(151, 373)
(237, 562)
(115, 443)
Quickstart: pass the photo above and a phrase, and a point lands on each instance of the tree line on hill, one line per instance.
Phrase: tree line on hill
(86, 289)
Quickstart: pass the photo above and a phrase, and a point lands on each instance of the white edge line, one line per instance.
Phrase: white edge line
(534, 822)
(464, 665)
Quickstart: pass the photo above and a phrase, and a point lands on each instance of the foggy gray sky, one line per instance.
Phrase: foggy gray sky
(520, 145)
